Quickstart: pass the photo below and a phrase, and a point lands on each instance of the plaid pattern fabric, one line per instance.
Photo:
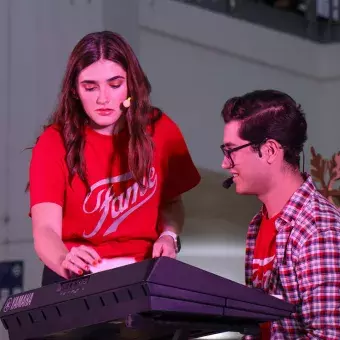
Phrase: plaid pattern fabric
(306, 270)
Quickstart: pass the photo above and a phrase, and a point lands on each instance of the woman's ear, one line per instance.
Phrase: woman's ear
(74, 94)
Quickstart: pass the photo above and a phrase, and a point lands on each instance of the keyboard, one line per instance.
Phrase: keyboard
(159, 298)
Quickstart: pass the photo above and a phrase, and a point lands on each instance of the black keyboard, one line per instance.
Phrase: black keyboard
(155, 299)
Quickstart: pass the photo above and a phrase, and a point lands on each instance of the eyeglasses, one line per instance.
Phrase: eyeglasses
(227, 152)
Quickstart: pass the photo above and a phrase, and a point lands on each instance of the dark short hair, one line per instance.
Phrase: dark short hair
(269, 114)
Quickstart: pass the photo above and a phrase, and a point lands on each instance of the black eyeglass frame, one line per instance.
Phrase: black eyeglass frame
(227, 152)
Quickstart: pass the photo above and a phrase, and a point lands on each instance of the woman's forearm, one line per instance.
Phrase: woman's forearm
(172, 213)
(50, 249)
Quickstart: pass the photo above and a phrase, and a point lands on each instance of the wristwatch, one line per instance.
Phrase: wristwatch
(175, 237)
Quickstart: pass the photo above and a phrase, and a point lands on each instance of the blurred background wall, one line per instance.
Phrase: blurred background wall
(196, 58)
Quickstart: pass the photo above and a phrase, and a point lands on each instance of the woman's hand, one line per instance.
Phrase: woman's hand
(164, 246)
(78, 259)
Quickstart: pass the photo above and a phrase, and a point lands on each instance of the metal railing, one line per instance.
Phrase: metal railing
(309, 19)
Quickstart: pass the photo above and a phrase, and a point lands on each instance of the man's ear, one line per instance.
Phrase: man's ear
(271, 150)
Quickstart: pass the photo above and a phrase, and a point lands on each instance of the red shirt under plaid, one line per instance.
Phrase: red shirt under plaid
(306, 269)
(263, 260)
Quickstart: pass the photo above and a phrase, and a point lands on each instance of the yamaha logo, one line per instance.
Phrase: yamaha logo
(19, 301)
(8, 305)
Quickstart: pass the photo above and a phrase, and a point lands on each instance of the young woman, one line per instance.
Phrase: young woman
(108, 171)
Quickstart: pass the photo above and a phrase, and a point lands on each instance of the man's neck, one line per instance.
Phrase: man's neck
(283, 188)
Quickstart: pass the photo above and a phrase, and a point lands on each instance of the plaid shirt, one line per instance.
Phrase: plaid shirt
(306, 269)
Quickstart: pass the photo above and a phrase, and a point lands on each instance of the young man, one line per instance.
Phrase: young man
(293, 243)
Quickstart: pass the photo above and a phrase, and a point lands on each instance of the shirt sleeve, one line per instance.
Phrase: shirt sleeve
(180, 172)
(47, 170)
(319, 281)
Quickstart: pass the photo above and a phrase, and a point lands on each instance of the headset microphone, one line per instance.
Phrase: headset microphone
(127, 102)
(228, 182)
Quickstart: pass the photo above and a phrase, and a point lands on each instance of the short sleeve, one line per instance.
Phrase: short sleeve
(180, 173)
(47, 170)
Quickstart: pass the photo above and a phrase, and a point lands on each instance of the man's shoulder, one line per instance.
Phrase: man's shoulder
(320, 210)
(317, 216)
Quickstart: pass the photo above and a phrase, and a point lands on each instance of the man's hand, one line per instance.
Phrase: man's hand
(164, 246)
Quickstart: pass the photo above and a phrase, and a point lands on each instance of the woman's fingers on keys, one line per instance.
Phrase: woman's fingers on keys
(80, 252)
(90, 251)
(73, 259)
(72, 267)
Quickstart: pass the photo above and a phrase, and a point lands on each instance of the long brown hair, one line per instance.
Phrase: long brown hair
(71, 119)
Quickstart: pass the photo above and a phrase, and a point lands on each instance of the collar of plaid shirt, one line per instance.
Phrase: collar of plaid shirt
(284, 225)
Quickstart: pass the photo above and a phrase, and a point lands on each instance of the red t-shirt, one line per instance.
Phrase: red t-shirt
(264, 255)
(116, 218)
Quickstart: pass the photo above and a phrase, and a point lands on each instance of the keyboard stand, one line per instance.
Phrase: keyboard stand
(181, 334)
(184, 329)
